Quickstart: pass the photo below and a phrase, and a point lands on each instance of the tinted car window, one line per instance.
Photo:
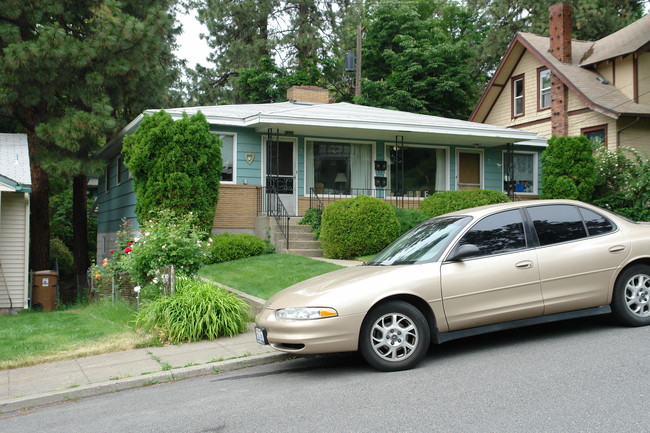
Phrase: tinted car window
(557, 223)
(596, 223)
(499, 233)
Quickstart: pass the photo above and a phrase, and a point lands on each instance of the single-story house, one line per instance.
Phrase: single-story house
(15, 188)
(307, 152)
(556, 85)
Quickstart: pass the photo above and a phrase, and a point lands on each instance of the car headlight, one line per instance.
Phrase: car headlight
(305, 313)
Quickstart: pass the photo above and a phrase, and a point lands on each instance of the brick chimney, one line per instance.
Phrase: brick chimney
(560, 47)
(560, 31)
(308, 94)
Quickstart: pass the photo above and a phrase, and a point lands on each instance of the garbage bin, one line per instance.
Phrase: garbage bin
(44, 290)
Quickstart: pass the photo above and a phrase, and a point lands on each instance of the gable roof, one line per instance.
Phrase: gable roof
(15, 173)
(577, 75)
(348, 121)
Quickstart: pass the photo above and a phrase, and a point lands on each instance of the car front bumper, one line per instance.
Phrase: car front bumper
(327, 335)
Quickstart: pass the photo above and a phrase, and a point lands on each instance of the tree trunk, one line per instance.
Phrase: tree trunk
(40, 217)
(80, 229)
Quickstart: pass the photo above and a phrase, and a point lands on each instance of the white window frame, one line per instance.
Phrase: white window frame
(535, 155)
(234, 155)
(544, 91)
(373, 155)
(521, 97)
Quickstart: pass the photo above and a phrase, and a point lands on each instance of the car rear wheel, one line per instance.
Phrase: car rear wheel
(394, 336)
(631, 298)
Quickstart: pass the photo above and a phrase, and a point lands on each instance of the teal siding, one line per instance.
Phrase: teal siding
(118, 203)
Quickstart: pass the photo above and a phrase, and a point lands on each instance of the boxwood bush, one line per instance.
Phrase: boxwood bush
(356, 227)
(451, 201)
(228, 247)
(197, 310)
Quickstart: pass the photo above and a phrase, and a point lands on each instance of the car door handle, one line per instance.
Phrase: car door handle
(526, 264)
(616, 248)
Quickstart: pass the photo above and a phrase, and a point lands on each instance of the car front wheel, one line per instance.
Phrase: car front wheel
(394, 336)
(631, 298)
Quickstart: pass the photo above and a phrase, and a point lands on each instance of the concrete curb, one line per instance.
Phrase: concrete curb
(100, 388)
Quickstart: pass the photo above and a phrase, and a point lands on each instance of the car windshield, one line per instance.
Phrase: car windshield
(422, 244)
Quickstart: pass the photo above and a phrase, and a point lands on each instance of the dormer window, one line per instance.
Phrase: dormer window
(517, 96)
(544, 88)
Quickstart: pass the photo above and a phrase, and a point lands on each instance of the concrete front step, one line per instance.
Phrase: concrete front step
(302, 252)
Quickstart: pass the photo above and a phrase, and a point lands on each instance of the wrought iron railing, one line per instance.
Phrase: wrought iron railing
(270, 204)
(407, 199)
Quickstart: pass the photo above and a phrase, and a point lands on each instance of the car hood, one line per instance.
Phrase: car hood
(352, 290)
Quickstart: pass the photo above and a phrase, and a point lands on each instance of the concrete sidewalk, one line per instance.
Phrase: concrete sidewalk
(59, 381)
(54, 382)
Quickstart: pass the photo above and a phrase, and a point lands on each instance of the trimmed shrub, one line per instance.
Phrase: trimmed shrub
(568, 160)
(357, 226)
(227, 247)
(409, 218)
(198, 310)
(452, 201)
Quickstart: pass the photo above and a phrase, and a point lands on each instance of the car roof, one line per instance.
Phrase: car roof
(481, 211)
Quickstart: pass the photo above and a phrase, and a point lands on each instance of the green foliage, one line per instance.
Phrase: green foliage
(568, 160)
(622, 182)
(61, 221)
(409, 218)
(228, 247)
(60, 252)
(313, 218)
(175, 165)
(357, 226)
(198, 310)
(163, 241)
(452, 201)
(416, 59)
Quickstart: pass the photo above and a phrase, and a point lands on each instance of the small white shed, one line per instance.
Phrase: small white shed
(15, 187)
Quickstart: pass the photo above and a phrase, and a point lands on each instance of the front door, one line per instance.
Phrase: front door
(469, 170)
(281, 173)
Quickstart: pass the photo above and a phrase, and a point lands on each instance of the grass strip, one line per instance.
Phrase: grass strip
(33, 337)
(265, 275)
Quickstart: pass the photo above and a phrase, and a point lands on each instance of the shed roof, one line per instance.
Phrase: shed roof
(14, 162)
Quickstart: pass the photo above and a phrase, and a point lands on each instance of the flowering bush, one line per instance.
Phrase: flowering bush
(110, 271)
(163, 241)
(622, 182)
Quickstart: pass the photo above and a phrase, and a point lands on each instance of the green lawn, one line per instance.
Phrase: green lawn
(263, 276)
(32, 337)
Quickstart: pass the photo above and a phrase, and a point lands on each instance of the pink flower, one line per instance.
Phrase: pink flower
(127, 250)
(130, 243)
(111, 251)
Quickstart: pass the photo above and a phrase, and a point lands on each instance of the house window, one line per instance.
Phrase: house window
(596, 134)
(544, 81)
(424, 168)
(339, 167)
(518, 96)
(524, 172)
(228, 153)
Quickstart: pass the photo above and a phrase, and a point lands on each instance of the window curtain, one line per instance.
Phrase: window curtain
(441, 170)
(309, 166)
(360, 166)
(523, 169)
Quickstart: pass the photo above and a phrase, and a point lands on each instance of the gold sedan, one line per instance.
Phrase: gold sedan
(466, 273)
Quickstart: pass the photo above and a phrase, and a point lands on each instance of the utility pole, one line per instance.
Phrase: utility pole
(357, 85)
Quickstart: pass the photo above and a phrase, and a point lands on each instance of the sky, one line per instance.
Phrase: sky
(191, 47)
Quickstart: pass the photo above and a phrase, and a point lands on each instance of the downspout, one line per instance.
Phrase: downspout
(618, 133)
(28, 279)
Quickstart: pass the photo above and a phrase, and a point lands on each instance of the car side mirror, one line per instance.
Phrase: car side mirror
(463, 252)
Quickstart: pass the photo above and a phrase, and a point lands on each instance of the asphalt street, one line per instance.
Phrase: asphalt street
(584, 375)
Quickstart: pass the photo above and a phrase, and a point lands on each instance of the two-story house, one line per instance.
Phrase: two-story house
(559, 86)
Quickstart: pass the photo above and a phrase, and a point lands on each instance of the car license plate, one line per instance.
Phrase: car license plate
(260, 335)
